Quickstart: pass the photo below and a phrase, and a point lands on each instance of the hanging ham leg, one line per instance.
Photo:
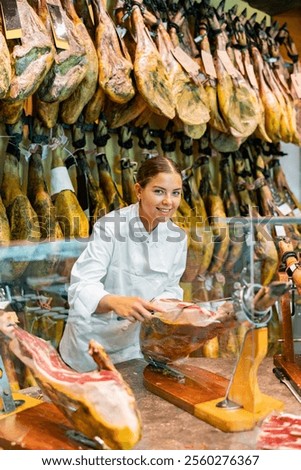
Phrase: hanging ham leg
(70, 65)
(22, 218)
(32, 59)
(73, 106)
(191, 101)
(5, 70)
(152, 78)
(114, 68)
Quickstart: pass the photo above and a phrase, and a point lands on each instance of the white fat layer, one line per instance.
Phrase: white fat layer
(112, 401)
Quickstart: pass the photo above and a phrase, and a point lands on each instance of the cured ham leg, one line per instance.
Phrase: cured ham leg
(99, 404)
(190, 98)
(114, 68)
(237, 100)
(73, 106)
(182, 329)
(152, 78)
(70, 65)
(5, 70)
(32, 59)
(23, 220)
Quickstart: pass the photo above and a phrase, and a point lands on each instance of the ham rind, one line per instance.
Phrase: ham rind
(98, 404)
(280, 431)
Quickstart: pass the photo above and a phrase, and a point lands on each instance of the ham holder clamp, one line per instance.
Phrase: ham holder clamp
(230, 405)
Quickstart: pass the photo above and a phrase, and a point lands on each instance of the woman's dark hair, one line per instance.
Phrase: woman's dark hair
(153, 166)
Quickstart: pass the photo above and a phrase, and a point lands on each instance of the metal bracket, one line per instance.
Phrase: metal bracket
(166, 369)
(95, 443)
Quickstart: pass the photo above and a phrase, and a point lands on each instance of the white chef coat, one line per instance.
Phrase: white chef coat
(121, 258)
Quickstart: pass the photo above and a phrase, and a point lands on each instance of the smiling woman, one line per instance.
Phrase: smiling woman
(135, 255)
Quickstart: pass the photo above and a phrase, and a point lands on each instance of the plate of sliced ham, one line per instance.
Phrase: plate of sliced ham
(280, 431)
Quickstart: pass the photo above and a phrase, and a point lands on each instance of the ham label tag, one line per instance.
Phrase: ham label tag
(226, 61)
(187, 62)
(285, 209)
(208, 64)
(11, 19)
(251, 76)
(60, 180)
(280, 231)
(297, 212)
(296, 81)
(58, 26)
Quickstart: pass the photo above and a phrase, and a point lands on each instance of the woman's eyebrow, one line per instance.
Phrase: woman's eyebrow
(161, 187)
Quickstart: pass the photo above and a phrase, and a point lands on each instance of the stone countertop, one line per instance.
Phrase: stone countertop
(165, 426)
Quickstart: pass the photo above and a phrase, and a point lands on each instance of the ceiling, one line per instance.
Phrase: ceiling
(274, 7)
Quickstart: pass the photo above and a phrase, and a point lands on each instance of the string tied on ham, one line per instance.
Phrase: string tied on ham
(144, 142)
(100, 133)
(186, 145)
(125, 140)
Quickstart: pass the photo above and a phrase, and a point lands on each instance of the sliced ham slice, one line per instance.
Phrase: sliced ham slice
(280, 431)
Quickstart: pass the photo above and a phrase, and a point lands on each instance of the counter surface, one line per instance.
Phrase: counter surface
(166, 426)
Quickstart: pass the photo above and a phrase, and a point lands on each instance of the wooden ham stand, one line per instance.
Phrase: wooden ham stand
(235, 405)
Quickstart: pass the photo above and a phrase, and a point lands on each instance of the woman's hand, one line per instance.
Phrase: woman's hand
(285, 245)
(131, 308)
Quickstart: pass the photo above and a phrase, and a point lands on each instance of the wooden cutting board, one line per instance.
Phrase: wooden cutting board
(199, 385)
(42, 427)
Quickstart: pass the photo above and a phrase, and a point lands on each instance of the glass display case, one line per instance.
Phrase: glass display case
(39, 294)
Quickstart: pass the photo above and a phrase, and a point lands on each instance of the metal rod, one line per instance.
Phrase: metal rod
(295, 340)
